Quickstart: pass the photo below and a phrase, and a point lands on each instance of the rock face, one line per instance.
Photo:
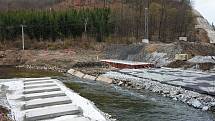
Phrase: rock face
(202, 23)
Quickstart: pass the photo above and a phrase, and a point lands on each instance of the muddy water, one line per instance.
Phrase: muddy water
(122, 104)
(12, 72)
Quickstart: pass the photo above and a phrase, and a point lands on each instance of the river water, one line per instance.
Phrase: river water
(121, 103)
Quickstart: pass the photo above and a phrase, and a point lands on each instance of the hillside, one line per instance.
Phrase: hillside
(27, 4)
(116, 21)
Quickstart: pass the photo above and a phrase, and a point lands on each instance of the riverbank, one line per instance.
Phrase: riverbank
(194, 98)
(86, 63)
(126, 104)
(104, 74)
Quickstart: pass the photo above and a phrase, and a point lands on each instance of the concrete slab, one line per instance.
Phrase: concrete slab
(38, 103)
(104, 79)
(38, 86)
(38, 82)
(36, 79)
(44, 95)
(78, 74)
(52, 112)
(89, 77)
(71, 71)
(42, 89)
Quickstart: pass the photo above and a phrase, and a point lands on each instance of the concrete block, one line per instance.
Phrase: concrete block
(89, 77)
(78, 74)
(76, 118)
(44, 95)
(38, 86)
(104, 79)
(71, 71)
(38, 82)
(36, 79)
(38, 103)
(52, 112)
(42, 89)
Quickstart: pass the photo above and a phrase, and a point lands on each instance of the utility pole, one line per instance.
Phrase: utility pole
(85, 25)
(23, 37)
(146, 32)
(146, 24)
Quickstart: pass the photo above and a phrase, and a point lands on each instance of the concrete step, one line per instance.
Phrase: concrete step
(52, 112)
(36, 79)
(38, 82)
(38, 86)
(38, 103)
(42, 89)
(43, 95)
(77, 118)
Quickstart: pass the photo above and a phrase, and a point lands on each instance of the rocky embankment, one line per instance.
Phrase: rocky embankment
(45, 67)
(200, 101)
(5, 112)
(191, 98)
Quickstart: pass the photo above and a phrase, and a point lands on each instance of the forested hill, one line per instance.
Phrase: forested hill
(27, 4)
(120, 20)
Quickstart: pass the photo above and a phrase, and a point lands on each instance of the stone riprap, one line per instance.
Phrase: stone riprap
(48, 99)
(195, 88)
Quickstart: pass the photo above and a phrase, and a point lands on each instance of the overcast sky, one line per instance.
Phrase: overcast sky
(206, 8)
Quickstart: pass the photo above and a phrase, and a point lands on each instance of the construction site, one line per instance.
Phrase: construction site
(99, 62)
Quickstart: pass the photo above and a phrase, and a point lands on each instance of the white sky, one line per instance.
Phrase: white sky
(206, 8)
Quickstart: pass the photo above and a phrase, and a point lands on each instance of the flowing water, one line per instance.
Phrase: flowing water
(121, 103)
